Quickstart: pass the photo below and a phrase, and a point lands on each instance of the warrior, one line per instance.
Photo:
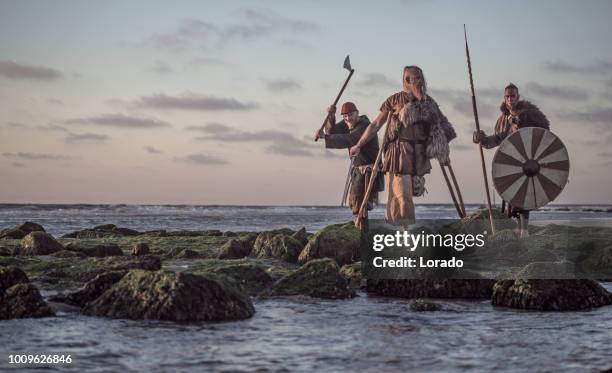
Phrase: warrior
(515, 114)
(415, 134)
(343, 135)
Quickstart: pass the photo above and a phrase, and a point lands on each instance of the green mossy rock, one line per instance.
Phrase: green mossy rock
(39, 243)
(236, 248)
(550, 295)
(171, 296)
(339, 242)
(92, 289)
(19, 298)
(319, 278)
(421, 305)
(352, 273)
(281, 246)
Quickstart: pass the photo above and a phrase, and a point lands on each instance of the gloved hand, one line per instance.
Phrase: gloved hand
(478, 136)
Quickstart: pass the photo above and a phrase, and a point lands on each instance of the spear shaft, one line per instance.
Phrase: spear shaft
(484, 167)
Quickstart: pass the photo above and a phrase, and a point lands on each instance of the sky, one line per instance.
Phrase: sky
(207, 102)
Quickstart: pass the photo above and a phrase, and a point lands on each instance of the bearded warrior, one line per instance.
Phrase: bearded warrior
(417, 131)
(515, 114)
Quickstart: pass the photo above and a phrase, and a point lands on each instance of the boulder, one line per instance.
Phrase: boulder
(251, 278)
(230, 234)
(339, 242)
(68, 254)
(92, 289)
(171, 296)
(19, 298)
(188, 254)
(421, 305)
(12, 234)
(97, 251)
(23, 301)
(21, 230)
(29, 227)
(10, 276)
(319, 278)
(281, 246)
(432, 288)
(352, 273)
(39, 243)
(235, 248)
(141, 248)
(301, 236)
(5, 251)
(550, 295)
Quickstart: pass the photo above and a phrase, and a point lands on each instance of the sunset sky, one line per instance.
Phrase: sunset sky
(195, 102)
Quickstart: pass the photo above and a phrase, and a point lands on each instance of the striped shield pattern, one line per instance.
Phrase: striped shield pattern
(530, 168)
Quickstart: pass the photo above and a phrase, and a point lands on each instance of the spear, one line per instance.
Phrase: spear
(484, 168)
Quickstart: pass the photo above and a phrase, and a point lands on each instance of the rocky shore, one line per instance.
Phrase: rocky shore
(115, 272)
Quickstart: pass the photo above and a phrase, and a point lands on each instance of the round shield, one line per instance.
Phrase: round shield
(530, 168)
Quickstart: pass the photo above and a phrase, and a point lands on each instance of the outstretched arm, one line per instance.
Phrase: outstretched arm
(370, 132)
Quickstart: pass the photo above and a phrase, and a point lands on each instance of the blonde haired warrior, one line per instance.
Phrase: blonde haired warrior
(417, 131)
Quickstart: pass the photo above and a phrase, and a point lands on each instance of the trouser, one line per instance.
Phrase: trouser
(400, 207)
(359, 185)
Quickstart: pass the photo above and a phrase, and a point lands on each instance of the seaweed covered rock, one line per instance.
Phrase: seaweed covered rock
(10, 276)
(301, 236)
(101, 231)
(550, 295)
(319, 278)
(188, 254)
(432, 288)
(282, 246)
(19, 298)
(478, 222)
(39, 243)
(352, 273)
(95, 266)
(21, 230)
(5, 251)
(96, 251)
(235, 248)
(171, 296)
(251, 278)
(140, 249)
(339, 242)
(92, 289)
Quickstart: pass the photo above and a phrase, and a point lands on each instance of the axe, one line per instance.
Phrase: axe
(347, 65)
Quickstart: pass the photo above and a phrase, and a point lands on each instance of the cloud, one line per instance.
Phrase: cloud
(15, 125)
(13, 70)
(54, 101)
(161, 67)
(53, 127)
(211, 128)
(557, 92)
(152, 150)
(282, 85)
(85, 137)
(279, 142)
(247, 25)
(37, 156)
(200, 159)
(206, 61)
(189, 31)
(596, 115)
(605, 155)
(461, 102)
(191, 101)
(118, 120)
(18, 164)
(598, 67)
(380, 80)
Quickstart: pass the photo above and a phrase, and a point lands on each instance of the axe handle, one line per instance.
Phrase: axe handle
(337, 99)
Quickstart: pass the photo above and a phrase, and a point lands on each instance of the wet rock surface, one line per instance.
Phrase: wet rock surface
(282, 246)
(18, 297)
(140, 249)
(319, 278)
(422, 305)
(171, 296)
(339, 242)
(92, 289)
(550, 295)
(39, 243)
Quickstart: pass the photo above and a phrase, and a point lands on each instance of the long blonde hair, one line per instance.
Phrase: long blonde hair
(417, 79)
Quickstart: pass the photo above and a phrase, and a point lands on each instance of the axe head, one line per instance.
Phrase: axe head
(347, 63)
